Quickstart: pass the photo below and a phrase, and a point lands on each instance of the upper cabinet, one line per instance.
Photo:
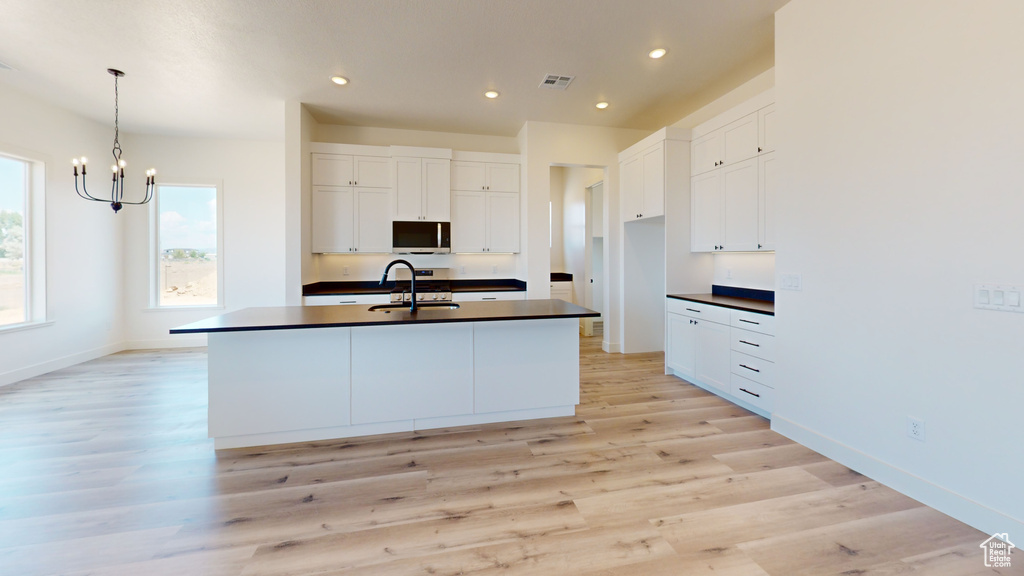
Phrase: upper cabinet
(351, 170)
(487, 176)
(422, 188)
(732, 206)
(645, 173)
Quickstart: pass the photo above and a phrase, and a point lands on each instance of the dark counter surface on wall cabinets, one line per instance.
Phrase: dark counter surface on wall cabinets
(746, 304)
(297, 317)
(372, 287)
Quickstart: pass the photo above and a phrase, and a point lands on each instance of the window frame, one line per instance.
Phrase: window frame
(154, 241)
(34, 233)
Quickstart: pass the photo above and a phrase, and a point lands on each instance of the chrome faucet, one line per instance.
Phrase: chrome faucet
(412, 272)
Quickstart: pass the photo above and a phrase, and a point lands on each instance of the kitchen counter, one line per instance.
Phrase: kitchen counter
(302, 317)
(747, 304)
(307, 373)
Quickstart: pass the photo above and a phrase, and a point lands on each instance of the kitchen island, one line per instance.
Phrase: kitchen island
(305, 373)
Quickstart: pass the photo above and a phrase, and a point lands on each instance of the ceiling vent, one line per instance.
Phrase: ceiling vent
(556, 82)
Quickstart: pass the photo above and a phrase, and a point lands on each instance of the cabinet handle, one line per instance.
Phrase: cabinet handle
(347, 302)
(692, 310)
(749, 368)
(492, 298)
(758, 149)
(758, 246)
(750, 322)
(750, 344)
(749, 392)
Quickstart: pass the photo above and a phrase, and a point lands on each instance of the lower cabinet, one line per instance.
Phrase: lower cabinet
(485, 296)
(562, 291)
(729, 352)
(337, 299)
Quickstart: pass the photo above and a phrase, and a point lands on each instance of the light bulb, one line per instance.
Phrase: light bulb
(601, 105)
(74, 161)
(657, 53)
(339, 80)
(121, 163)
(84, 160)
(114, 168)
(492, 94)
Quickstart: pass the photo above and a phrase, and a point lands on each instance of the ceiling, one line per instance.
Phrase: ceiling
(225, 67)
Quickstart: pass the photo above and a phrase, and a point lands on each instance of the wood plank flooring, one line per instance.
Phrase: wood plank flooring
(105, 470)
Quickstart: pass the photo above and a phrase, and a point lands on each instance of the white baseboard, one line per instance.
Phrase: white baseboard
(190, 341)
(57, 363)
(942, 499)
(610, 347)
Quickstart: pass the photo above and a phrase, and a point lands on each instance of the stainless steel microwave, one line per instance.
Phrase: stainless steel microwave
(421, 237)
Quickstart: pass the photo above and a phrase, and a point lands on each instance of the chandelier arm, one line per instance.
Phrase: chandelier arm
(150, 186)
(86, 195)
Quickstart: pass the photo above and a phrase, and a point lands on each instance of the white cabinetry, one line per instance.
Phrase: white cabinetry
(643, 178)
(766, 199)
(485, 296)
(347, 219)
(730, 352)
(422, 189)
(492, 176)
(341, 299)
(351, 170)
(562, 291)
(728, 200)
(484, 203)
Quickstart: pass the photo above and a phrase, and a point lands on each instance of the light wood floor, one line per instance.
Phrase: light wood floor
(105, 469)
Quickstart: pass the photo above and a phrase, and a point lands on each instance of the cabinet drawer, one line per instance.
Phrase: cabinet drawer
(340, 299)
(753, 393)
(763, 323)
(753, 343)
(698, 310)
(752, 368)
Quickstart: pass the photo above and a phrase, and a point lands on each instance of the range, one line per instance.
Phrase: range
(432, 285)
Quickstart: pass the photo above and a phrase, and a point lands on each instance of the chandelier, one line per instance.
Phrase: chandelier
(117, 179)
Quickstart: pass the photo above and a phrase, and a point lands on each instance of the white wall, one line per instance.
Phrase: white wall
(542, 145)
(574, 225)
(899, 188)
(252, 177)
(83, 255)
(745, 270)
(557, 254)
(365, 267)
(371, 136)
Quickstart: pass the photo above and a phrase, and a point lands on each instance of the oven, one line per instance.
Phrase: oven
(432, 285)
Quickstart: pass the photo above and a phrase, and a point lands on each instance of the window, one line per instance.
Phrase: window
(188, 262)
(14, 273)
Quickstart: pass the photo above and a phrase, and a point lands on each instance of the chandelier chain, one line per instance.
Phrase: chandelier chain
(117, 145)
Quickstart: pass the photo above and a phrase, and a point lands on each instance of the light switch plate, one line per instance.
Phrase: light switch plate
(790, 282)
(1001, 297)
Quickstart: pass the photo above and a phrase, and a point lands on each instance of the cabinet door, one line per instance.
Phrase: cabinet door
(740, 190)
(631, 187)
(468, 175)
(681, 346)
(372, 172)
(766, 122)
(706, 217)
(331, 170)
(767, 201)
(502, 177)
(437, 189)
(706, 152)
(740, 139)
(714, 356)
(502, 222)
(469, 211)
(332, 226)
(408, 189)
(654, 181)
(373, 211)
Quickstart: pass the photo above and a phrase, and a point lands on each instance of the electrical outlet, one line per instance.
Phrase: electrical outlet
(344, 271)
(915, 428)
(462, 269)
(728, 273)
(791, 282)
(494, 269)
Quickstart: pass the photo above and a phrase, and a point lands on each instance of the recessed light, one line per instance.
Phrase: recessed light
(339, 80)
(657, 53)
(602, 105)
(492, 94)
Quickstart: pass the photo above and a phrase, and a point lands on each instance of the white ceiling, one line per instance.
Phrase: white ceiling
(225, 67)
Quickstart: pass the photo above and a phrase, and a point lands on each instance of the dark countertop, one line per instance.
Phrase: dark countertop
(372, 287)
(561, 277)
(748, 304)
(293, 317)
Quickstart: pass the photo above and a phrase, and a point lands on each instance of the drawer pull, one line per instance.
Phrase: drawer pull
(749, 392)
(490, 298)
(750, 322)
(749, 368)
(692, 310)
(750, 344)
(347, 302)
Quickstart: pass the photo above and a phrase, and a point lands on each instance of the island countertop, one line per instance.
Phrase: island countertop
(298, 317)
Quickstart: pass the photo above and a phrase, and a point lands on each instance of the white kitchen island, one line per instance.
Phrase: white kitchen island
(297, 374)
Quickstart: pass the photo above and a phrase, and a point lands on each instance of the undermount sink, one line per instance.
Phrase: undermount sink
(390, 307)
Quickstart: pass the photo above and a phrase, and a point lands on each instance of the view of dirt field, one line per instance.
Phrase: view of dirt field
(12, 291)
(188, 281)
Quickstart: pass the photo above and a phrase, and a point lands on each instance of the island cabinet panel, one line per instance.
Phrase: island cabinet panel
(505, 382)
(412, 371)
(278, 381)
